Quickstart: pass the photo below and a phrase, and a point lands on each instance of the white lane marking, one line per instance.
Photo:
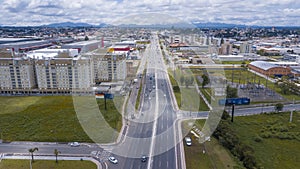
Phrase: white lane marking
(155, 121)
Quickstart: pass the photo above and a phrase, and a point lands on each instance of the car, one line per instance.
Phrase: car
(144, 158)
(74, 144)
(113, 160)
(188, 141)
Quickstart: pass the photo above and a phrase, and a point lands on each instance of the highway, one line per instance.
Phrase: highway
(151, 130)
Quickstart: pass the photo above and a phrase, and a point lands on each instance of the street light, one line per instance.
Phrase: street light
(291, 115)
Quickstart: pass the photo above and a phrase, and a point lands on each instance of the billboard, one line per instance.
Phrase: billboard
(236, 101)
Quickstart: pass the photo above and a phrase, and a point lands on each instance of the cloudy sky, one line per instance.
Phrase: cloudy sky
(249, 12)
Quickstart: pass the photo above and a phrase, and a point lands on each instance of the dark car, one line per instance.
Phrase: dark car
(144, 159)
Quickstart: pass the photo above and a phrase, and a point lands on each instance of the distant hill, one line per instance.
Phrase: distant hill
(68, 24)
(217, 25)
(74, 25)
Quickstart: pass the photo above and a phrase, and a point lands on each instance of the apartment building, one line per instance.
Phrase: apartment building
(226, 49)
(15, 72)
(109, 66)
(47, 73)
(64, 73)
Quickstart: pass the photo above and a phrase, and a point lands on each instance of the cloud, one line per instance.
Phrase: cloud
(30, 12)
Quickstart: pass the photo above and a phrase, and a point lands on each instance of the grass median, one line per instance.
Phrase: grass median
(138, 99)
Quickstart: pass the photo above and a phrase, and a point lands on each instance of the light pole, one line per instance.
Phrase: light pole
(1, 136)
(291, 115)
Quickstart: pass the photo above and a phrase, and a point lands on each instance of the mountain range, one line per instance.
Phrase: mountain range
(167, 25)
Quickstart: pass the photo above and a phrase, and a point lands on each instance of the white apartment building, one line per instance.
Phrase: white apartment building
(109, 66)
(15, 72)
(64, 74)
(246, 48)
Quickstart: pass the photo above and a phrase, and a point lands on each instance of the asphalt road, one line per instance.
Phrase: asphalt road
(151, 131)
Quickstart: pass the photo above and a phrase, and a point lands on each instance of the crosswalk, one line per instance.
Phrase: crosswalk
(102, 156)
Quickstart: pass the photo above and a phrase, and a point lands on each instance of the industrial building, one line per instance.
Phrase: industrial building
(269, 69)
(25, 46)
(231, 57)
(83, 46)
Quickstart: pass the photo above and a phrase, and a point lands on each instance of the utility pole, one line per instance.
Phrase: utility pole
(232, 74)
(0, 136)
(232, 112)
(104, 102)
(291, 116)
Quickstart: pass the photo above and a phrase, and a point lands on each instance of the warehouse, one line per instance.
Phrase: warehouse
(83, 46)
(269, 69)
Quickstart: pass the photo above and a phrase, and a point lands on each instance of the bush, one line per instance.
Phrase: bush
(228, 138)
(176, 89)
(258, 138)
(265, 134)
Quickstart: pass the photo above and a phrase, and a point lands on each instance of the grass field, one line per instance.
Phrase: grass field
(46, 164)
(216, 156)
(275, 141)
(112, 115)
(187, 98)
(46, 118)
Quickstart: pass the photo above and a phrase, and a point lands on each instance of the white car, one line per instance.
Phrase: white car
(74, 144)
(113, 160)
(188, 141)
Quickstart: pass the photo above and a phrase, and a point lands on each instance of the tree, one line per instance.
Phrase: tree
(56, 152)
(278, 107)
(231, 92)
(86, 38)
(284, 88)
(188, 81)
(222, 41)
(32, 150)
(181, 80)
(205, 80)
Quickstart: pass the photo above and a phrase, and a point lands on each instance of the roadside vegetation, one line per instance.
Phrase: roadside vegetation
(215, 156)
(176, 90)
(138, 99)
(262, 141)
(46, 164)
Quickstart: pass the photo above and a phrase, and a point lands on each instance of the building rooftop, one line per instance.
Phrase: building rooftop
(25, 42)
(263, 65)
(82, 43)
(285, 63)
